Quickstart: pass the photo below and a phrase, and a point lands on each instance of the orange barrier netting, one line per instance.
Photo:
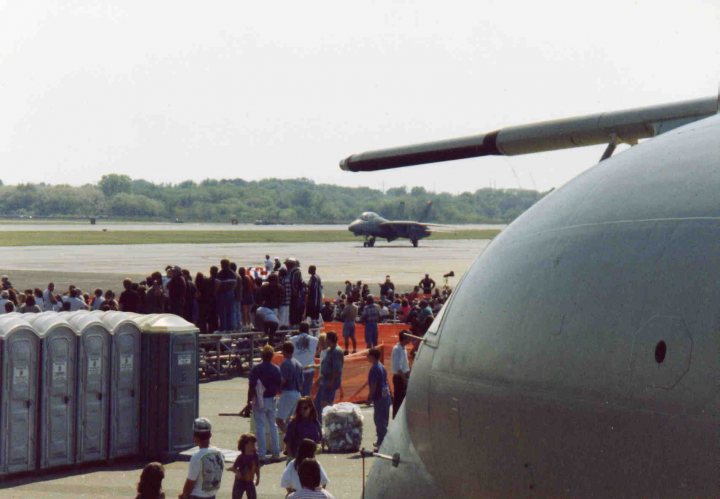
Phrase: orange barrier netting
(354, 387)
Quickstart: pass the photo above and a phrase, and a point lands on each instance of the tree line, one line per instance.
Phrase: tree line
(269, 200)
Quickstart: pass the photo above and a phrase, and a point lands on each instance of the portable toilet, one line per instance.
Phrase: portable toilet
(170, 384)
(125, 389)
(58, 389)
(93, 376)
(19, 357)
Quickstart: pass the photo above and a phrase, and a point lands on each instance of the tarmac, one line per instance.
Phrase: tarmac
(345, 471)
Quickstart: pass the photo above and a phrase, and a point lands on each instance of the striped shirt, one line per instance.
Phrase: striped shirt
(371, 314)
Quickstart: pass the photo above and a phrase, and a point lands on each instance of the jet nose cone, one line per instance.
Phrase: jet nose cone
(353, 226)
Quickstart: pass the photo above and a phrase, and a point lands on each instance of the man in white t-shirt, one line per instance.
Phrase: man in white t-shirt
(305, 348)
(206, 465)
(400, 371)
(76, 303)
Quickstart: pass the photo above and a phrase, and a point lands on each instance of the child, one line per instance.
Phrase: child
(245, 467)
(304, 424)
(150, 485)
(290, 478)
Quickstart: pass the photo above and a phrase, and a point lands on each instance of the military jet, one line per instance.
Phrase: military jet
(578, 356)
(371, 226)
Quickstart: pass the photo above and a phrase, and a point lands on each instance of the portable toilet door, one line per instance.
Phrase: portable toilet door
(94, 357)
(170, 386)
(58, 359)
(19, 350)
(125, 385)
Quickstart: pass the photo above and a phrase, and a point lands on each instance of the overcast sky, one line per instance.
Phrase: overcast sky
(176, 90)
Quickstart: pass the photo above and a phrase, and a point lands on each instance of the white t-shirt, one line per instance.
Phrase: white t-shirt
(311, 494)
(305, 347)
(291, 480)
(47, 303)
(206, 469)
(399, 359)
(98, 302)
(75, 303)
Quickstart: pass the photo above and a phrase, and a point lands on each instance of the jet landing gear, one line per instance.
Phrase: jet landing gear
(369, 242)
(414, 242)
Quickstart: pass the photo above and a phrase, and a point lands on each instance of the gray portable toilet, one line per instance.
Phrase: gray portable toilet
(125, 390)
(93, 396)
(19, 357)
(58, 389)
(170, 384)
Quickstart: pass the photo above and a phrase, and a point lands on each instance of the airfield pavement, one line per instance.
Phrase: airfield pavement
(104, 266)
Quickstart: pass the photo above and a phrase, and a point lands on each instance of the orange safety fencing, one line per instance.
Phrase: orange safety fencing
(354, 385)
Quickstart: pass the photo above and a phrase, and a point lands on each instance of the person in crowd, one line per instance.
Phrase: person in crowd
(365, 291)
(9, 307)
(190, 309)
(129, 299)
(209, 300)
(383, 311)
(370, 317)
(290, 479)
(271, 294)
(327, 312)
(284, 313)
(237, 314)
(379, 395)
(291, 372)
(110, 302)
(310, 479)
(49, 297)
(413, 295)
(427, 284)
(277, 265)
(348, 317)
(155, 301)
(29, 306)
(400, 370)
(303, 425)
(305, 347)
(206, 465)
(246, 468)
(348, 288)
(387, 290)
(314, 295)
(264, 404)
(248, 295)
(141, 291)
(225, 295)
(298, 291)
(267, 322)
(331, 368)
(98, 299)
(39, 301)
(150, 484)
(176, 292)
(5, 299)
(5, 282)
(424, 318)
(74, 301)
(268, 264)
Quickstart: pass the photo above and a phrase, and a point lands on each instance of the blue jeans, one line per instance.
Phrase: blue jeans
(241, 486)
(307, 383)
(325, 396)
(266, 417)
(381, 416)
(371, 334)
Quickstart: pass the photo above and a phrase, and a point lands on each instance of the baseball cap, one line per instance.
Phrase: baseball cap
(202, 425)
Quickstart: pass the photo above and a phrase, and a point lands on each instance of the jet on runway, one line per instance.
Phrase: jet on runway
(371, 226)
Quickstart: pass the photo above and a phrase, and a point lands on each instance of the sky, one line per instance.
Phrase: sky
(175, 90)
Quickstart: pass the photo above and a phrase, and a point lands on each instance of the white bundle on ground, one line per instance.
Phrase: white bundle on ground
(342, 427)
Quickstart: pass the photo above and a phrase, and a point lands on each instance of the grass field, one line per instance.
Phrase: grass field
(64, 238)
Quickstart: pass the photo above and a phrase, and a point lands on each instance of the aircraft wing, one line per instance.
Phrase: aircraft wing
(404, 224)
(603, 128)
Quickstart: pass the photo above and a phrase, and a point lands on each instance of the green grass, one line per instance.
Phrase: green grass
(63, 238)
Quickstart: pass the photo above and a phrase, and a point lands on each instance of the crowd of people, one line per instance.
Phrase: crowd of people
(229, 298)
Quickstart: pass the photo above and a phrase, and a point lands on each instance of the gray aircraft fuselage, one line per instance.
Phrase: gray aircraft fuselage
(372, 226)
(580, 354)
